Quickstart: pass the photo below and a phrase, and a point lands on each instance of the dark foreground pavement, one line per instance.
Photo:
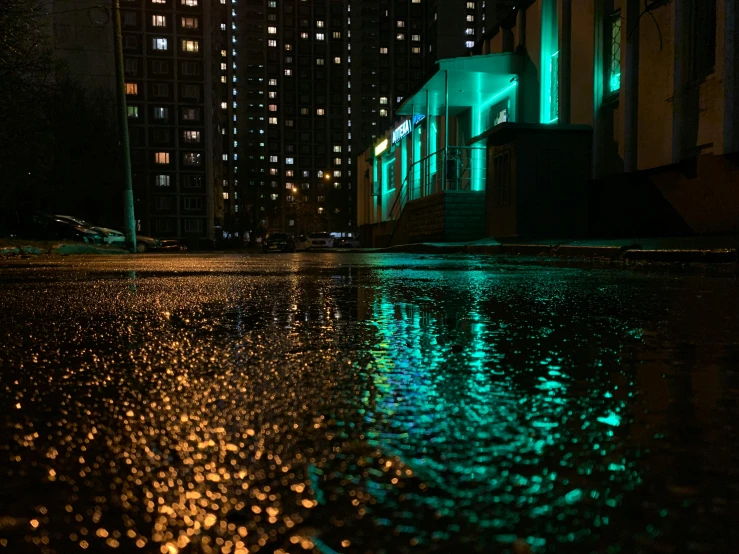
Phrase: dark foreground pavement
(365, 403)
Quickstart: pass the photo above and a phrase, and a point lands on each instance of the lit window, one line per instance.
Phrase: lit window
(190, 114)
(320, 111)
(336, 34)
(161, 113)
(272, 43)
(337, 59)
(189, 2)
(470, 17)
(223, 26)
(225, 196)
(189, 22)
(613, 51)
(224, 53)
(469, 31)
(161, 180)
(159, 20)
(224, 79)
(273, 107)
(383, 112)
(320, 210)
(192, 158)
(415, 38)
(383, 50)
(273, 82)
(416, 50)
(288, 72)
(158, 1)
(320, 36)
(272, 30)
(337, 173)
(304, 111)
(272, 94)
(161, 157)
(224, 67)
(192, 136)
(190, 46)
(400, 36)
(400, 24)
(288, 47)
(272, 4)
(273, 159)
(337, 148)
(304, 36)
(319, 24)
(224, 105)
(383, 99)
(470, 5)
(132, 88)
(415, 1)
(224, 157)
(273, 121)
(133, 112)
(337, 161)
(159, 43)
(319, 61)
(289, 161)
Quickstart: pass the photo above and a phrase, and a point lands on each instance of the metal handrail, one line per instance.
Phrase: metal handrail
(429, 176)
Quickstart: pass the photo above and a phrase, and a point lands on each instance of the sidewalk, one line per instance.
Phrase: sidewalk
(665, 249)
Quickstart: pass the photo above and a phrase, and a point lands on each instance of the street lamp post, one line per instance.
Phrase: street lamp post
(129, 221)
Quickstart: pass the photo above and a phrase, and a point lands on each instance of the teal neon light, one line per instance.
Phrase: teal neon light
(498, 95)
(549, 68)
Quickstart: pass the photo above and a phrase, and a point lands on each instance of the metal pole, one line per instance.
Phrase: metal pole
(129, 221)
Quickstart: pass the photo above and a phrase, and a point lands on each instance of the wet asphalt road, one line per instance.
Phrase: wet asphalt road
(365, 403)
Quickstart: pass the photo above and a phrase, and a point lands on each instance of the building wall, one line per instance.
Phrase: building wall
(171, 114)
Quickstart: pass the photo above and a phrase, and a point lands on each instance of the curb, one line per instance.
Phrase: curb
(631, 253)
(61, 249)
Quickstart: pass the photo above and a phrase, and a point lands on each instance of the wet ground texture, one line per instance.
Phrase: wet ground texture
(366, 403)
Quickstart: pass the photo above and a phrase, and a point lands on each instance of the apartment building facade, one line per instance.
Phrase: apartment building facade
(169, 49)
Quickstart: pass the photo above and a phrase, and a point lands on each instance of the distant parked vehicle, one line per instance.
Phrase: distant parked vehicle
(110, 236)
(279, 242)
(171, 245)
(302, 243)
(346, 242)
(41, 226)
(320, 240)
(144, 243)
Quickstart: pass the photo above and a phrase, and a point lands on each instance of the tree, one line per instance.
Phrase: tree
(26, 87)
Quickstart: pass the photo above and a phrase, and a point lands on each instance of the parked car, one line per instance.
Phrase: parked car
(144, 243)
(302, 243)
(110, 236)
(41, 226)
(278, 242)
(171, 244)
(320, 240)
(346, 242)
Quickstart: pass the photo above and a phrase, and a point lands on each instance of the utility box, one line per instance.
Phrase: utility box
(537, 180)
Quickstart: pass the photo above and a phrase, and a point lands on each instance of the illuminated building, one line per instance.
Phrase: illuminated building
(661, 130)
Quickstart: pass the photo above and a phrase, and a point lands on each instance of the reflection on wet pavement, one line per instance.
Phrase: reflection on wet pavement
(366, 403)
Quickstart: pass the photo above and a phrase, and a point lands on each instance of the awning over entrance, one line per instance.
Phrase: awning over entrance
(472, 81)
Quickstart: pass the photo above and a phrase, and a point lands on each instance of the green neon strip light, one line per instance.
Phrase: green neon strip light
(496, 96)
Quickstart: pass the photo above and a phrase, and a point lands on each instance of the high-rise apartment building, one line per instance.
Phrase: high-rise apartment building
(454, 26)
(247, 115)
(390, 43)
(174, 112)
(293, 65)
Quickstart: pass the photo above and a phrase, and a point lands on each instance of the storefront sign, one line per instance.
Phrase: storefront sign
(402, 130)
(380, 148)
